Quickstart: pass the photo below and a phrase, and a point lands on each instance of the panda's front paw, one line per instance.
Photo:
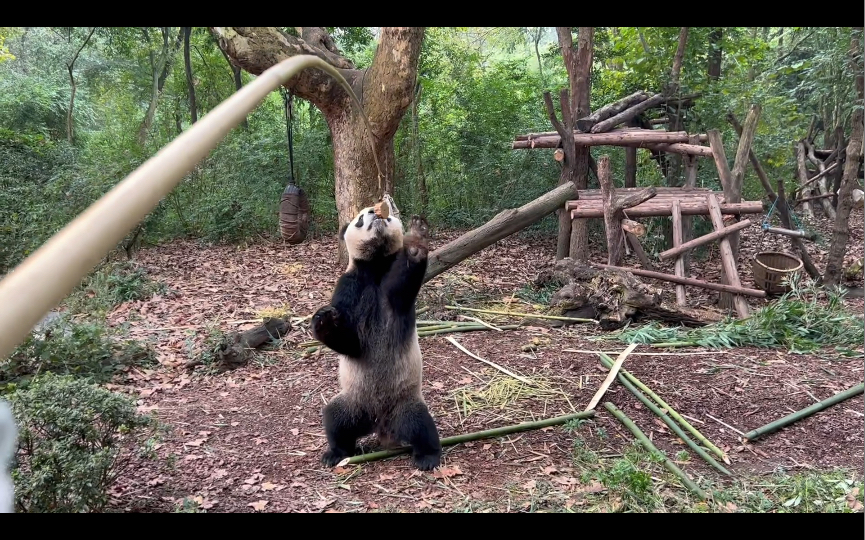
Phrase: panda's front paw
(324, 322)
(419, 227)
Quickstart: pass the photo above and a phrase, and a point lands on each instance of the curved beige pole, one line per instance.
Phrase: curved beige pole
(42, 280)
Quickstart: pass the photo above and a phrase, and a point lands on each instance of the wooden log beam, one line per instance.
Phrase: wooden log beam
(677, 148)
(627, 114)
(592, 210)
(802, 172)
(662, 191)
(612, 138)
(634, 227)
(638, 250)
(686, 281)
(503, 225)
(681, 299)
(728, 261)
(703, 240)
(614, 207)
(788, 232)
(612, 109)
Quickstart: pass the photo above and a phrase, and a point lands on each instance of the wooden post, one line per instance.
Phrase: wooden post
(614, 209)
(705, 239)
(725, 301)
(638, 250)
(630, 166)
(802, 172)
(690, 183)
(728, 262)
(680, 263)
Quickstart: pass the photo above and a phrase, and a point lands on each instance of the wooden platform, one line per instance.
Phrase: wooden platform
(692, 202)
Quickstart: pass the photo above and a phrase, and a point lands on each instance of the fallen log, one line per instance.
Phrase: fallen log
(591, 209)
(612, 109)
(503, 225)
(236, 348)
(689, 281)
(627, 114)
(614, 297)
(705, 239)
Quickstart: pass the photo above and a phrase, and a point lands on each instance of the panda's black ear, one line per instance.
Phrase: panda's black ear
(342, 232)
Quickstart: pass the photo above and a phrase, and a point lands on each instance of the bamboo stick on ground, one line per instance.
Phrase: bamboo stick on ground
(476, 436)
(527, 315)
(676, 416)
(614, 370)
(647, 444)
(804, 413)
(672, 425)
(493, 364)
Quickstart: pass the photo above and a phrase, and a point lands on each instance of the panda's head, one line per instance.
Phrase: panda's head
(368, 236)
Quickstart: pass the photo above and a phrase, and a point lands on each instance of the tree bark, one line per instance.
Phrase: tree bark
(190, 82)
(822, 186)
(70, 67)
(160, 69)
(733, 192)
(841, 227)
(677, 62)
(613, 209)
(628, 114)
(802, 171)
(581, 85)
(385, 89)
(612, 109)
(503, 225)
(716, 54)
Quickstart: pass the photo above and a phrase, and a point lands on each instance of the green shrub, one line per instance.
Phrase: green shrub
(70, 432)
(66, 347)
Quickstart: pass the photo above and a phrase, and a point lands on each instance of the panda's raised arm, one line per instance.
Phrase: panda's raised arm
(403, 282)
(334, 324)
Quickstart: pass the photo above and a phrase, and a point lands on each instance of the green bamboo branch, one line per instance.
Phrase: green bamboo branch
(476, 436)
(672, 425)
(647, 444)
(608, 362)
(527, 315)
(804, 413)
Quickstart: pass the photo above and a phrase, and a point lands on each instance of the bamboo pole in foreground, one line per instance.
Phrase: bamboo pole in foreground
(42, 280)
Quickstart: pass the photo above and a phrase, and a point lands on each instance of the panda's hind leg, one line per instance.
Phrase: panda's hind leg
(344, 424)
(413, 424)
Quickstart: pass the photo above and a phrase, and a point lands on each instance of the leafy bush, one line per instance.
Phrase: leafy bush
(111, 285)
(797, 321)
(70, 432)
(68, 348)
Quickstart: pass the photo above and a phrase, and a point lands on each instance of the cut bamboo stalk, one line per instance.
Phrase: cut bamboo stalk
(614, 370)
(651, 448)
(489, 363)
(476, 436)
(672, 412)
(528, 315)
(804, 413)
(672, 425)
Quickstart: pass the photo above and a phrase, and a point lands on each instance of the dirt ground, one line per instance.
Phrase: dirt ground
(250, 440)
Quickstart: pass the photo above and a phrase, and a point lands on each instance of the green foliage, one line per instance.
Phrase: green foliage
(110, 285)
(479, 88)
(797, 321)
(70, 348)
(70, 437)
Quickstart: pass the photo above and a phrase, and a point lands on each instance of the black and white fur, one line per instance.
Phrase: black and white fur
(370, 324)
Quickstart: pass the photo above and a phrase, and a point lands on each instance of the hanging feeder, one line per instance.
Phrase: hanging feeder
(294, 204)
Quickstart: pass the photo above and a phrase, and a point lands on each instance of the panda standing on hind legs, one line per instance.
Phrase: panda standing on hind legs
(370, 324)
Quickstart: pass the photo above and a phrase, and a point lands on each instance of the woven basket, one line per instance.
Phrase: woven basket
(294, 214)
(771, 267)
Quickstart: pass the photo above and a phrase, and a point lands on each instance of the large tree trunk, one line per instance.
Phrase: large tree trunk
(70, 67)
(385, 89)
(715, 54)
(581, 90)
(841, 228)
(160, 69)
(190, 81)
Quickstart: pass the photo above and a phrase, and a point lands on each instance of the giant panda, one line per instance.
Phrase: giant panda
(370, 324)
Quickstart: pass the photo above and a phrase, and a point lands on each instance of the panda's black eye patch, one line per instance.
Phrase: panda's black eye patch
(388, 220)
(359, 222)
(371, 211)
